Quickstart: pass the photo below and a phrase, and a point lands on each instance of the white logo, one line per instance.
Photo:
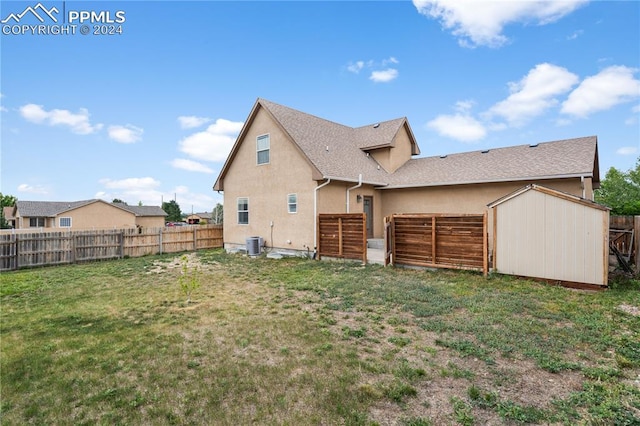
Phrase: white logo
(34, 11)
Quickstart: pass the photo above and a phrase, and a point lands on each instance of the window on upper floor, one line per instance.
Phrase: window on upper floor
(243, 211)
(36, 222)
(292, 203)
(263, 144)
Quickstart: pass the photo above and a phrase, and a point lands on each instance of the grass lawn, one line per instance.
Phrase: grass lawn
(293, 342)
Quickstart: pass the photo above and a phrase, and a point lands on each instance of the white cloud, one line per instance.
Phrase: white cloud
(130, 183)
(461, 127)
(377, 75)
(534, 94)
(575, 35)
(612, 86)
(355, 67)
(480, 23)
(627, 150)
(31, 189)
(125, 134)
(213, 144)
(190, 165)
(77, 122)
(384, 76)
(191, 121)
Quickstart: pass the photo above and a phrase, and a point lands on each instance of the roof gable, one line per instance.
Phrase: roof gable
(548, 191)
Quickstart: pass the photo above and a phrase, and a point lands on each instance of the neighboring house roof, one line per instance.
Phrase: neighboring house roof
(548, 160)
(8, 212)
(204, 215)
(142, 210)
(338, 152)
(54, 208)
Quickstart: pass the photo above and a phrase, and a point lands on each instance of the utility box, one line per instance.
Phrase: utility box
(254, 245)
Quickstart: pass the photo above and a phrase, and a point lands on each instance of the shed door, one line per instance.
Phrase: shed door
(368, 210)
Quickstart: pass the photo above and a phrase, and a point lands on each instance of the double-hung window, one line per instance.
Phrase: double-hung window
(263, 144)
(243, 211)
(292, 203)
(36, 222)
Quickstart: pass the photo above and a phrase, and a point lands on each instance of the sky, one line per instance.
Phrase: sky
(146, 105)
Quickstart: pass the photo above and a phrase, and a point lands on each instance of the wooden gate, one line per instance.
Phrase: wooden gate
(437, 241)
(342, 235)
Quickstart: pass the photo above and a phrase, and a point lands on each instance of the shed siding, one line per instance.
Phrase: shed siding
(544, 236)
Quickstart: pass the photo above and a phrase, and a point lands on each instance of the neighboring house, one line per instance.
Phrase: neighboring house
(87, 214)
(287, 166)
(7, 212)
(197, 218)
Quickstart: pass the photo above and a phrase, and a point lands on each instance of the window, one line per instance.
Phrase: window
(65, 222)
(262, 148)
(292, 203)
(243, 211)
(36, 222)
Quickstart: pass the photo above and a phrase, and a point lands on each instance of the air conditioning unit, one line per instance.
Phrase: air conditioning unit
(253, 245)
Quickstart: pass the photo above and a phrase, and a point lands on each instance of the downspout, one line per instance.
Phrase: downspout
(315, 215)
(353, 187)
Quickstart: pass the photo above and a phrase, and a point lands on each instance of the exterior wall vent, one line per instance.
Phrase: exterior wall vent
(533, 145)
(375, 126)
(443, 156)
(485, 151)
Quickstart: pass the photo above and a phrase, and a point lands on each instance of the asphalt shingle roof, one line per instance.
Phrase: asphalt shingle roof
(53, 208)
(339, 152)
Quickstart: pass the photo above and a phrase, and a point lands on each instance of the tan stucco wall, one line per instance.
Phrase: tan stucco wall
(393, 158)
(333, 199)
(462, 198)
(98, 215)
(267, 187)
(150, 221)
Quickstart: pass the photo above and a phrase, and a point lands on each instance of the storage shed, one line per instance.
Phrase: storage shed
(551, 235)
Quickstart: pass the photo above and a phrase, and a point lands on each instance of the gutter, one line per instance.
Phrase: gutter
(364, 182)
(353, 187)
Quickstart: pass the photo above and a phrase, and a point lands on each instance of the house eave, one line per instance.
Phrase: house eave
(472, 182)
(351, 180)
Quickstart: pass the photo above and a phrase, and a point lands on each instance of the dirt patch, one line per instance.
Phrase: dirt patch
(630, 309)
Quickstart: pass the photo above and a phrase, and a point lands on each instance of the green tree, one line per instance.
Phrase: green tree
(172, 209)
(217, 215)
(5, 201)
(118, 200)
(620, 191)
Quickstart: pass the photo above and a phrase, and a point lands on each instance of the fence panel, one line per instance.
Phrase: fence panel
(438, 240)
(24, 249)
(342, 236)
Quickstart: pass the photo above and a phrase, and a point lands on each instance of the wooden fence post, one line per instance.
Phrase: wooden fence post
(195, 238)
(160, 240)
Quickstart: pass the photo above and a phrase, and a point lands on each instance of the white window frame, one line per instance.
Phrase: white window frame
(260, 150)
(242, 211)
(292, 206)
(65, 219)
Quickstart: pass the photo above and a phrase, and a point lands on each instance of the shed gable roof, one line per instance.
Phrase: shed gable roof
(548, 191)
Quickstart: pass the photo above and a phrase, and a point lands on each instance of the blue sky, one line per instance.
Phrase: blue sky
(150, 113)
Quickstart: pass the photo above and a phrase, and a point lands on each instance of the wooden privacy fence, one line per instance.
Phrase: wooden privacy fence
(23, 250)
(343, 236)
(437, 241)
(624, 238)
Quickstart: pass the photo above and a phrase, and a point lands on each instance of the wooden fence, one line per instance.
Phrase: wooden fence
(342, 236)
(437, 241)
(624, 237)
(30, 249)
